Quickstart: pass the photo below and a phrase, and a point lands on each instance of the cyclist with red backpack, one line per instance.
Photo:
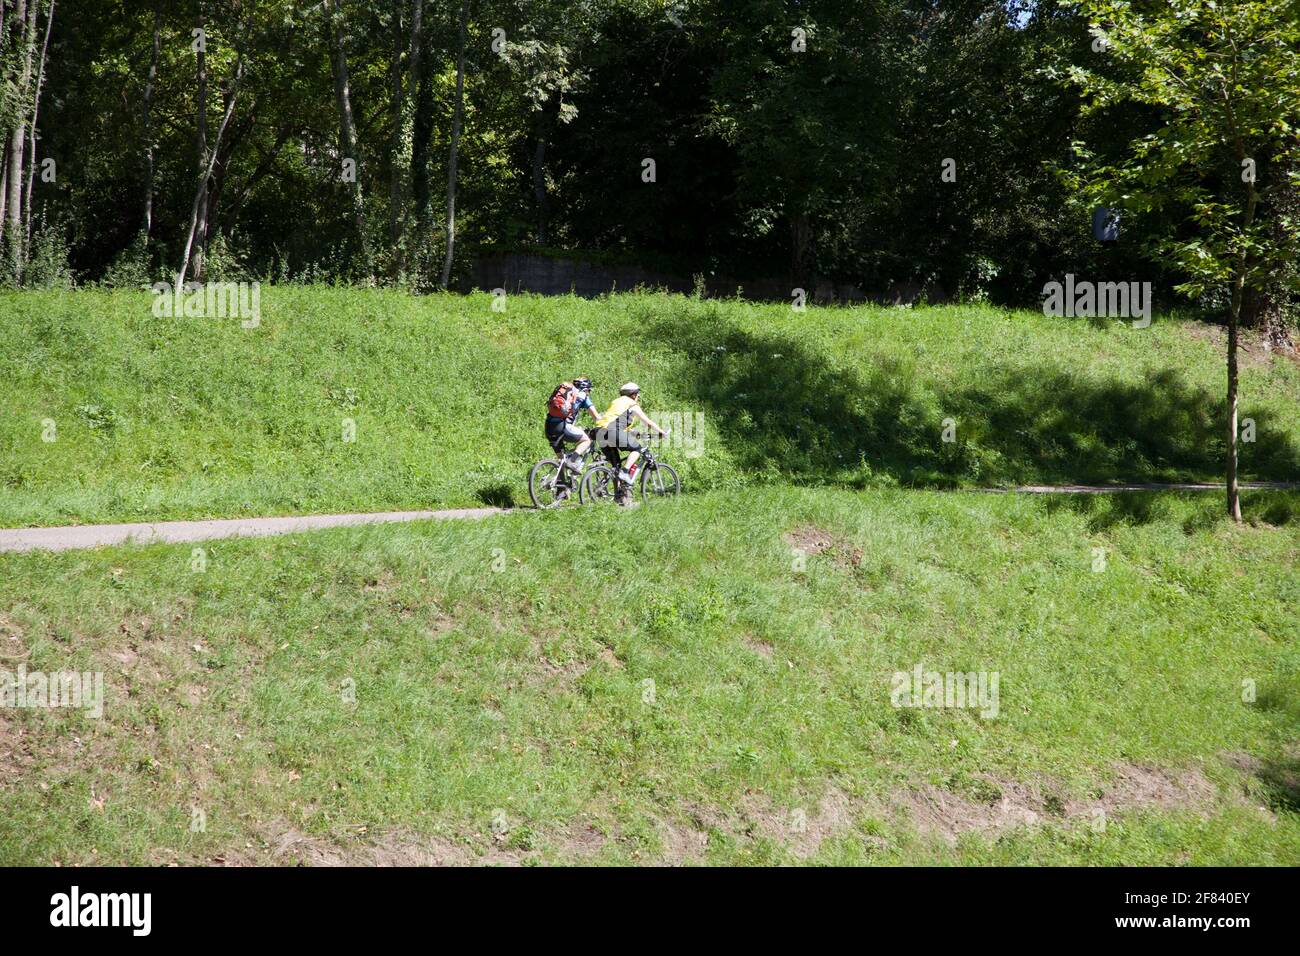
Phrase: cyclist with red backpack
(566, 403)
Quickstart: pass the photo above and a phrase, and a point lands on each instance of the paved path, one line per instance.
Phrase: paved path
(1111, 489)
(94, 535)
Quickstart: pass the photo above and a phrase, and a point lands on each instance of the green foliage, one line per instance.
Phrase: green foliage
(769, 160)
(1222, 140)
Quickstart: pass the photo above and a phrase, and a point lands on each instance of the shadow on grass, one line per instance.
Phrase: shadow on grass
(1281, 780)
(496, 495)
(781, 407)
(1107, 511)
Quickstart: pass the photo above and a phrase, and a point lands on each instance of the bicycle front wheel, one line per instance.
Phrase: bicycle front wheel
(659, 482)
(544, 486)
(598, 486)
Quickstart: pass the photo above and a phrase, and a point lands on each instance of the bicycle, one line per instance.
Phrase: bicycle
(654, 479)
(552, 481)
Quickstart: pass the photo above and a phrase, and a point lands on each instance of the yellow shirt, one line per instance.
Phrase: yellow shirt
(619, 408)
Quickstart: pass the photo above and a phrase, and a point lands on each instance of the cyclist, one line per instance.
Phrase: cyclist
(612, 434)
(566, 403)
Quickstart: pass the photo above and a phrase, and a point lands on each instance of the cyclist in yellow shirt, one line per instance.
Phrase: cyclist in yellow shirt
(612, 434)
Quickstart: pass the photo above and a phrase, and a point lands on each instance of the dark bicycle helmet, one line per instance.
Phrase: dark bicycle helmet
(583, 383)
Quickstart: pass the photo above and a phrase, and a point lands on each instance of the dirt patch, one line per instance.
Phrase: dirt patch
(762, 648)
(1011, 803)
(1241, 761)
(15, 757)
(682, 844)
(383, 582)
(1252, 351)
(565, 673)
(13, 646)
(398, 847)
(1138, 787)
(288, 846)
(582, 839)
(804, 830)
(810, 540)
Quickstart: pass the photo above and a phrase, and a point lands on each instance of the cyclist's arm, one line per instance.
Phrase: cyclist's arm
(636, 410)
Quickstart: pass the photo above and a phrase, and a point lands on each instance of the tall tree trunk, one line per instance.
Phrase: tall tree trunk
(4, 181)
(398, 119)
(348, 133)
(36, 111)
(1234, 319)
(4, 136)
(539, 176)
(206, 173)
(14, 230)
(196, 245)
(1234, 494)
(148, 121)
(421, 86)
(800, 242)
(222, 151)
(455, 145)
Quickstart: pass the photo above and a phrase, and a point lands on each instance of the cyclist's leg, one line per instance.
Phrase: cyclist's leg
(582, 438)
(633, 448)
(607, 441)
(572, 433)
(555, 434)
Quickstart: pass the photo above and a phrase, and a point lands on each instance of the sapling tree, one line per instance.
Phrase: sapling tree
(1219, 84)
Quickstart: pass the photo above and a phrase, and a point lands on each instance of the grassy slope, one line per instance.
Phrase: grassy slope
(479, 690)
(522, 690)
(198, 417)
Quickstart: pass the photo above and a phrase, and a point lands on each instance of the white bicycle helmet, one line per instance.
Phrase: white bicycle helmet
(629, 388)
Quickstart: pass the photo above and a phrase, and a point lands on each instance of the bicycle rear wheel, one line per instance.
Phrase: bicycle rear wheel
(544, 487)
(598, 486)
(659, 482)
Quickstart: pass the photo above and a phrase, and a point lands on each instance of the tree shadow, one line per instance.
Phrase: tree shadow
(1106, 511)
(781, 407)
(1281, 780)
(496, 495)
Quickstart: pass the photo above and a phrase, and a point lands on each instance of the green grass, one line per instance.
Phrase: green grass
(522, 689)
(181, 418)
(500, 667)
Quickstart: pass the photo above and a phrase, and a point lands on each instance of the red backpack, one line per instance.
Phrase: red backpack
(562, 400)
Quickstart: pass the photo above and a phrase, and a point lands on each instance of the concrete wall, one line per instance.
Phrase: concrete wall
(548, 275)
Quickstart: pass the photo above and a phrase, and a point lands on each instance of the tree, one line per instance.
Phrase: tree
(1221, 84)
(457, 114)
(31, 136)
(25, 20)
(198, 210)
(196, 242)
(803, 102)
(348, 145)
(147, 115)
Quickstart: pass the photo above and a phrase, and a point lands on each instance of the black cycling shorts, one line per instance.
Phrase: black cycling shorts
(558, 431)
